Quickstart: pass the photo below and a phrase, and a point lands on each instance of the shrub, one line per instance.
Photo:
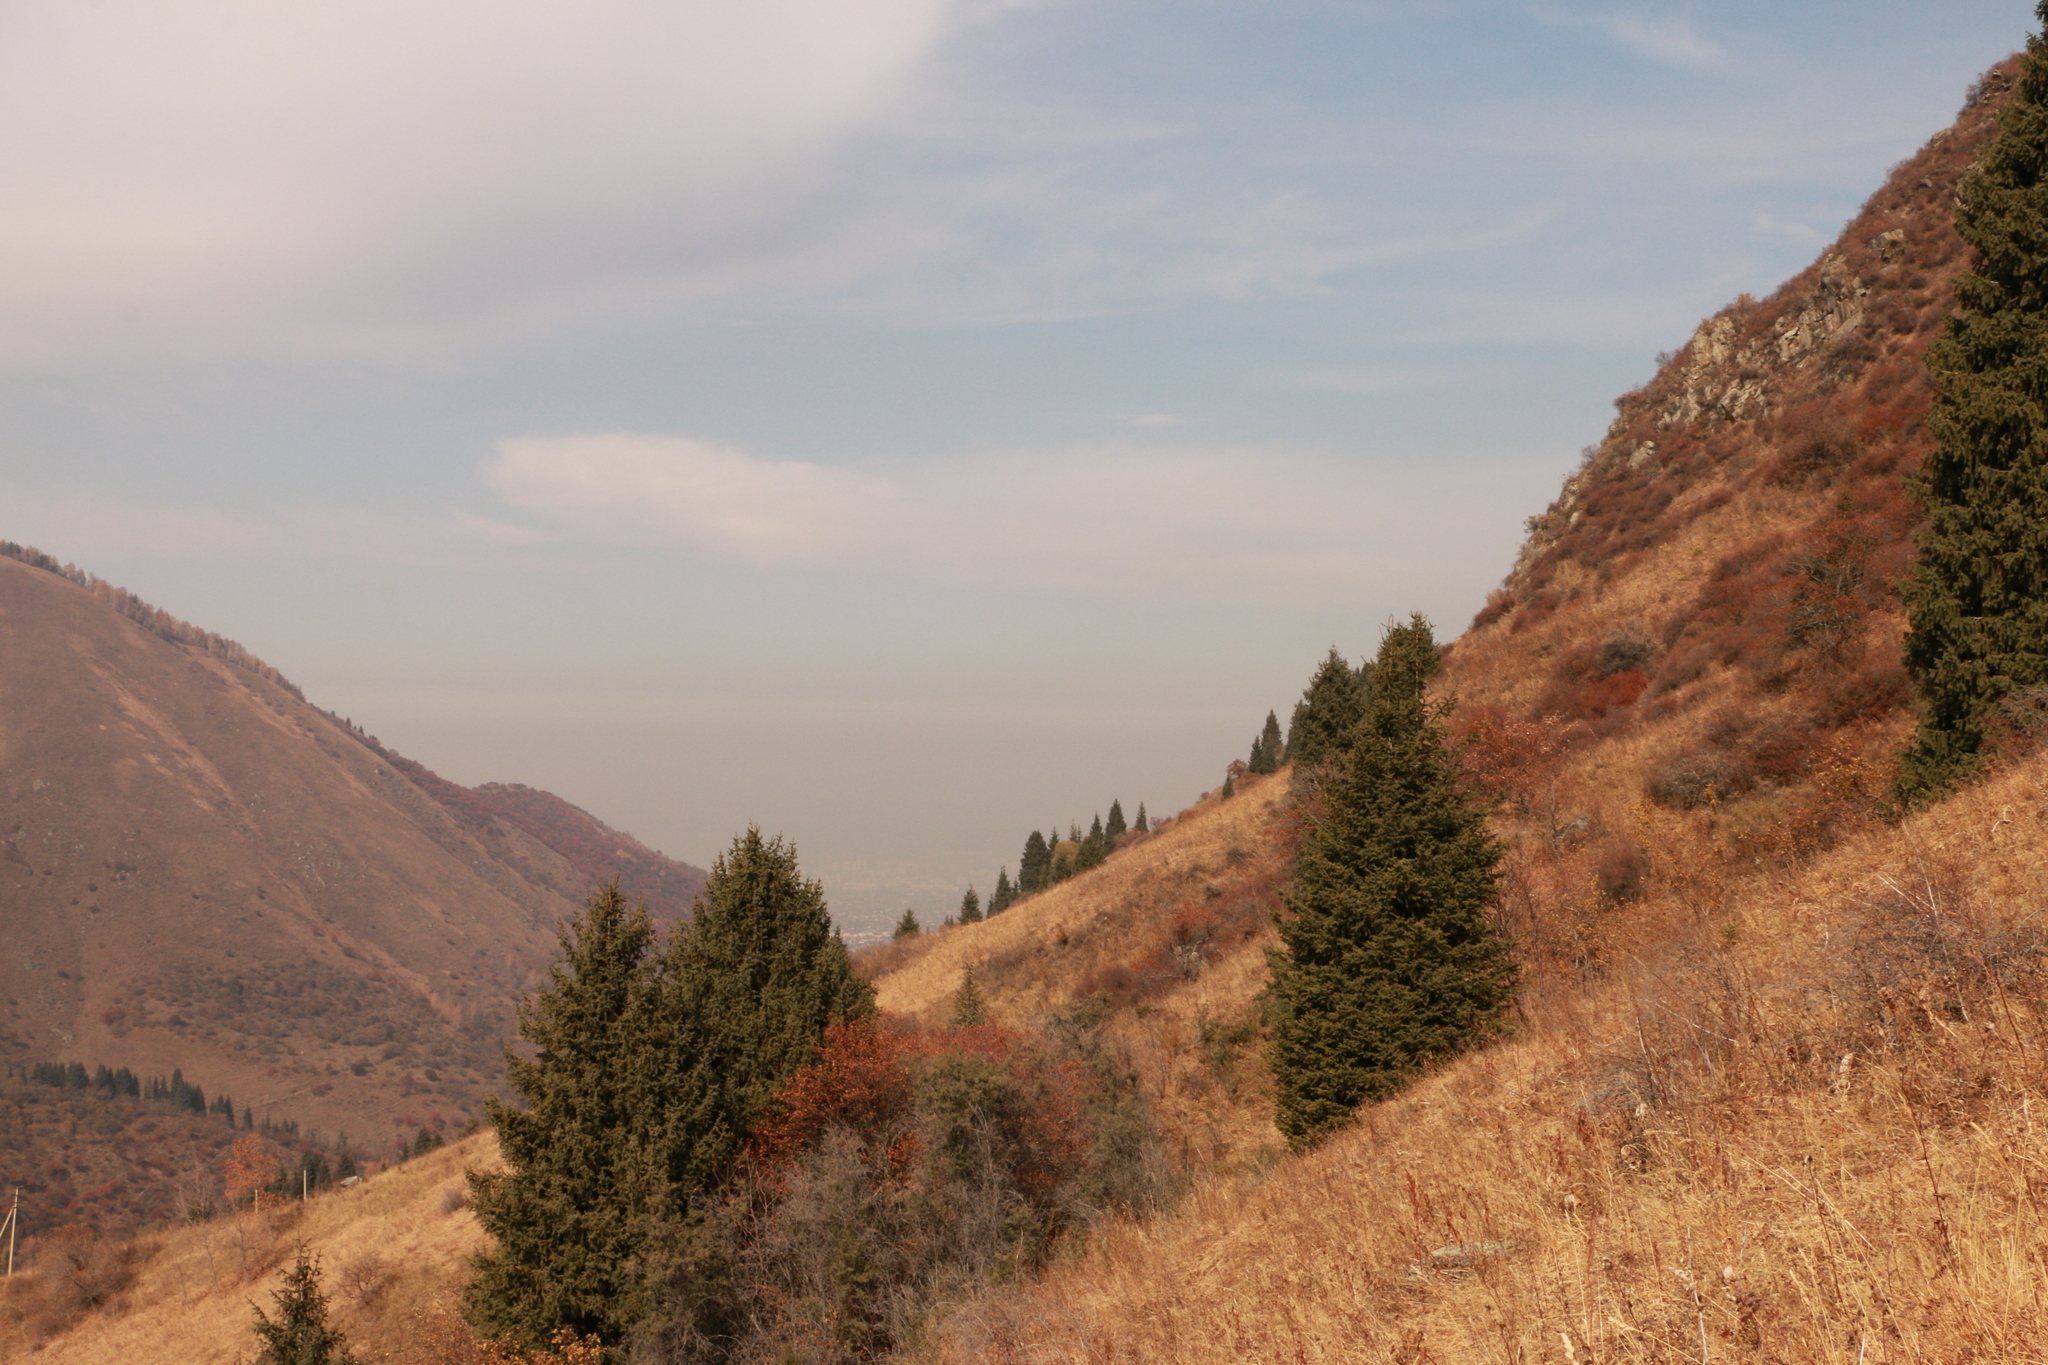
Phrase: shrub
(1689, 781)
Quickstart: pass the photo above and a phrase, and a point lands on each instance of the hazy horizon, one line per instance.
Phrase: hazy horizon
(900, 429)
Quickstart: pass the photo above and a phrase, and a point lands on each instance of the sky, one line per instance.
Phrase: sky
(900, 425)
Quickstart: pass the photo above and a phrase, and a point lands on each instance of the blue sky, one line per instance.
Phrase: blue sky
(899, 424)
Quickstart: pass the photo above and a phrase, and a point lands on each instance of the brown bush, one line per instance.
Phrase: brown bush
(1691, 780)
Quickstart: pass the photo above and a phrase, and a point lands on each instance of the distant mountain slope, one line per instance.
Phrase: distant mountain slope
(200, 870)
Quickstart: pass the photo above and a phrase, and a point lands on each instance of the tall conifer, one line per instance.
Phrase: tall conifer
(563, 1214)
(1977, 601)
(1035, 867)
(746, 990)
(1269, 750)
(1114, 827)
(970, 908)
(1329, 707)
(1389, 959)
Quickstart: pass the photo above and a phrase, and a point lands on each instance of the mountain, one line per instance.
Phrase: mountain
(199, 870)
(1766, 1094)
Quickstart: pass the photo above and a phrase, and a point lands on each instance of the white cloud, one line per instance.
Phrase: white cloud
(1188, 521)
(227, 174)
(1670, 41)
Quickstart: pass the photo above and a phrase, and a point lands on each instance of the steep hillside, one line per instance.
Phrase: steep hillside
(1166, 941)
(1709, 612)
(201, 871)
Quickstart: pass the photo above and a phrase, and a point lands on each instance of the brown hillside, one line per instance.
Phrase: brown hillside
(1166, 940)
(201, 871)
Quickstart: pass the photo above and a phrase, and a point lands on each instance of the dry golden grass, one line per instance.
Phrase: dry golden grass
(1678, 1164)
(390, 1248)
(1191, 1041)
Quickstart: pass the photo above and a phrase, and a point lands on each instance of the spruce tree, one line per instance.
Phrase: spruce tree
(969, 1008)
(1143, 826)
(907, 927)
(1977, 600)
(299, 1335)
(1330, 706)
(1004, 893)
(741, 1003)
(1389, 959)
(563, 1214)
(1114, 827)
(1034, 869)
(761, 940)
(970, 908)
(1269, 749)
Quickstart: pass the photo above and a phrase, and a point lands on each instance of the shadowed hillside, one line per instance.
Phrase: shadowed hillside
(201, 871)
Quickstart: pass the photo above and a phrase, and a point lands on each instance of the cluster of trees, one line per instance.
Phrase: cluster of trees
(119, 1083)
(1977, 600)
(719, 1155)
(1388, 959)
(1049, 860)
(1269, 751)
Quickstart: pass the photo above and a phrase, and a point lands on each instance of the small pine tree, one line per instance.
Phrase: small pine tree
(1977, 600)
(969, 1008)
(299, 1335)
(1143, 826)
(907, 927)
(1388, 958)
(970, 908)
(1329, 708)
(1003, 895)
(1113, 829)
(1229, 788)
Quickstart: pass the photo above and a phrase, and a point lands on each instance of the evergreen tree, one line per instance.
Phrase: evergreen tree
(1142, 826)
(1330, 706)
(299, 1335)
(1389, 959)
(1094, 847)
(745, 992)
(970, 908)
(564, 1213)
(1034, 869)
(1977, 600)
(969, 1008)
(1229, 788)
(1268, 750)
(1003, 895)
(1115, 827)
(908, 926)
(778, 970)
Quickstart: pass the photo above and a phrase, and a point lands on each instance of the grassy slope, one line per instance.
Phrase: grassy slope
(392, 1248)
(1799, 1120)
(1172, 929)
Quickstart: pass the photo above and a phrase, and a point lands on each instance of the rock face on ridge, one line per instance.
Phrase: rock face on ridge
(200, 870)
